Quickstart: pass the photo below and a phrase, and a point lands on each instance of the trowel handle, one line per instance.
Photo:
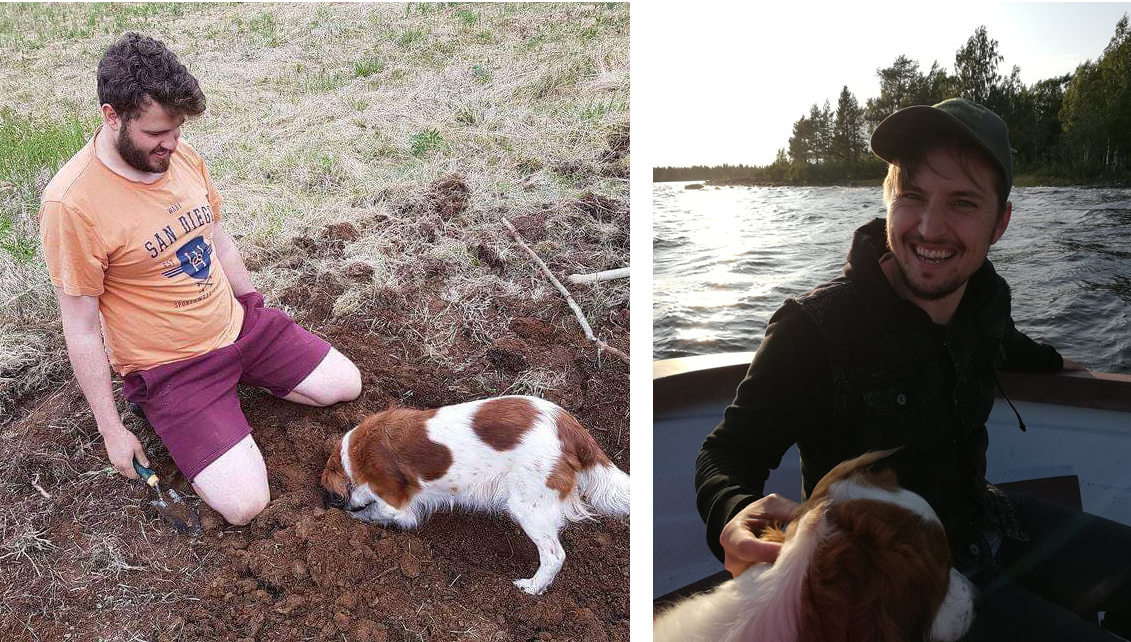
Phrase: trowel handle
(146, 474)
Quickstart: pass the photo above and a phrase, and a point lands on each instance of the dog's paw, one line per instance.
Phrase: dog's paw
(529, 586)
(361, 516)
(407, 521)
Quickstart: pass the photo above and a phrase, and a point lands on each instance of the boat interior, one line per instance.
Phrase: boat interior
(1076, 451)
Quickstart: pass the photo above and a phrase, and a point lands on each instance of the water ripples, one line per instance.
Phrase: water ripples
(725, 260)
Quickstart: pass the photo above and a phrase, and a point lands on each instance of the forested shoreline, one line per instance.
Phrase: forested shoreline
(1071, 129)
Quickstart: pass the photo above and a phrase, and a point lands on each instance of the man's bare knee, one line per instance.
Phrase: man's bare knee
(242, 512)
(347, 389)
(352, 388)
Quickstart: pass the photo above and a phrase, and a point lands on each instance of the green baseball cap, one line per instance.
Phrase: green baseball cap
(954, 119)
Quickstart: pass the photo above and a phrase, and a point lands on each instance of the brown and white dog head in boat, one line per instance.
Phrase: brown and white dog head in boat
(522, 455)
(863, 560)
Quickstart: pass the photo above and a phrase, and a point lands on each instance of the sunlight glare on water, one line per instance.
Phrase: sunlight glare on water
(725, 259)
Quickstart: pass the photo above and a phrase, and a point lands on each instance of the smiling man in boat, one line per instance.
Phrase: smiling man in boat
(901, 351)
(132, 235)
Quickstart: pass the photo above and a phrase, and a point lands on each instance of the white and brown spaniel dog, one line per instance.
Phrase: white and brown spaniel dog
(863, 560)
(522, 455)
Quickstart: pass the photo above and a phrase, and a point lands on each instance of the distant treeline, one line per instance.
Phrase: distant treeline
(1075, 127)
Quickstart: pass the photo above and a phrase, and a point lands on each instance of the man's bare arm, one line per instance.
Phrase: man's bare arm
(83, 335)
(229, 256)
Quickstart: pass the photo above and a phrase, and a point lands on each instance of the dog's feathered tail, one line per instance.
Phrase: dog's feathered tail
(600, 485)
(605, 487)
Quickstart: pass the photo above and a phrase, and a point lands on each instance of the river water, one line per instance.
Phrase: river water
(724, 260)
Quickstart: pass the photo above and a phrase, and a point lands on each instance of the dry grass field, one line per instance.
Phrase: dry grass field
(367, 155)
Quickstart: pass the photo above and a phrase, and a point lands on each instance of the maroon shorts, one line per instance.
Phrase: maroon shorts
(192, 404)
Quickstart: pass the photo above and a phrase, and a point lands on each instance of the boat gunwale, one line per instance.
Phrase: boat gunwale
(683, 380)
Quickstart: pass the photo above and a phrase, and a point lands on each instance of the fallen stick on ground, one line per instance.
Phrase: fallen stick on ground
(35, 485)
(606, 275)
(569, 299)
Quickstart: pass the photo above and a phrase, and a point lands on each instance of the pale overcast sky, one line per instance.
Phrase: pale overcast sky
(724, 83)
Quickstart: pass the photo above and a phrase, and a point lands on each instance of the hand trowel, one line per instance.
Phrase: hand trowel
(176, 510)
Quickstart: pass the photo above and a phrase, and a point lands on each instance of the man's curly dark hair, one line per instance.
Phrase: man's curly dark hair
(137, 69)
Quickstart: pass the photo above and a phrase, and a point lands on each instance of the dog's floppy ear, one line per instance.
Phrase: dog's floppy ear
(334, 477)
(956, 614)
(877, 576)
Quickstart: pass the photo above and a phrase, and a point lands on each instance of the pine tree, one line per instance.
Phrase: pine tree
(848, 129)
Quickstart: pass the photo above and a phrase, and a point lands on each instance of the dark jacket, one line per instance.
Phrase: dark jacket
(850, 367)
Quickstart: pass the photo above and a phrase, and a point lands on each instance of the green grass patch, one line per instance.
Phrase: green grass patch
(602, 25)
(482, 76)
(422, 8)
(407, 38)
(314, 81)
(29, 148)
(468, 17)
(425, 142)
(534, 42)
(264, 26)
(368, 67)
(13, 241)
(564, 76)
(596, 112)
(324, 82)
(31, 26)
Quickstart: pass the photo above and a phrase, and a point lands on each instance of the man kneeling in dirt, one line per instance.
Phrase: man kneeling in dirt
(131, 230)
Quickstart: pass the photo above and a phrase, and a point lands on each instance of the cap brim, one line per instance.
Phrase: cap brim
(917, 127)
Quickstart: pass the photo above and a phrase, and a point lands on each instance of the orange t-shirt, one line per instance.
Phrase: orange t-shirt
(146, 251)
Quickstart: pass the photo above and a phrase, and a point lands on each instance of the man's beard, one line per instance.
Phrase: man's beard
(936, 292)
(138, 159)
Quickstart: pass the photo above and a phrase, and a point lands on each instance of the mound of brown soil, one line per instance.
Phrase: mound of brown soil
(299, 572)
(449, 196)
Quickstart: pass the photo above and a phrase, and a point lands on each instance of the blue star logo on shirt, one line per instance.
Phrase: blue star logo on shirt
(196, 259)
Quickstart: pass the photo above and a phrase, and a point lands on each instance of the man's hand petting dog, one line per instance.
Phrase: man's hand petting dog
(739, 538)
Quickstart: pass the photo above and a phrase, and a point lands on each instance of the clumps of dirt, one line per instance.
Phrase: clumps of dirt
(320, 248)
(579, 171)
(528, 166)
(427, 232)
(359, 272)
(301, 572)
(618, 143)
(534, 330)
(617, 320)
(606, 210)
(601, 208)
(435, 269)
(313, 296)
(616, 169)
(331, 243)
(532, 226)
(507, 354)
(345, 232)
(449, 197)
(445, 200)
(614, 160)
(490, 258)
